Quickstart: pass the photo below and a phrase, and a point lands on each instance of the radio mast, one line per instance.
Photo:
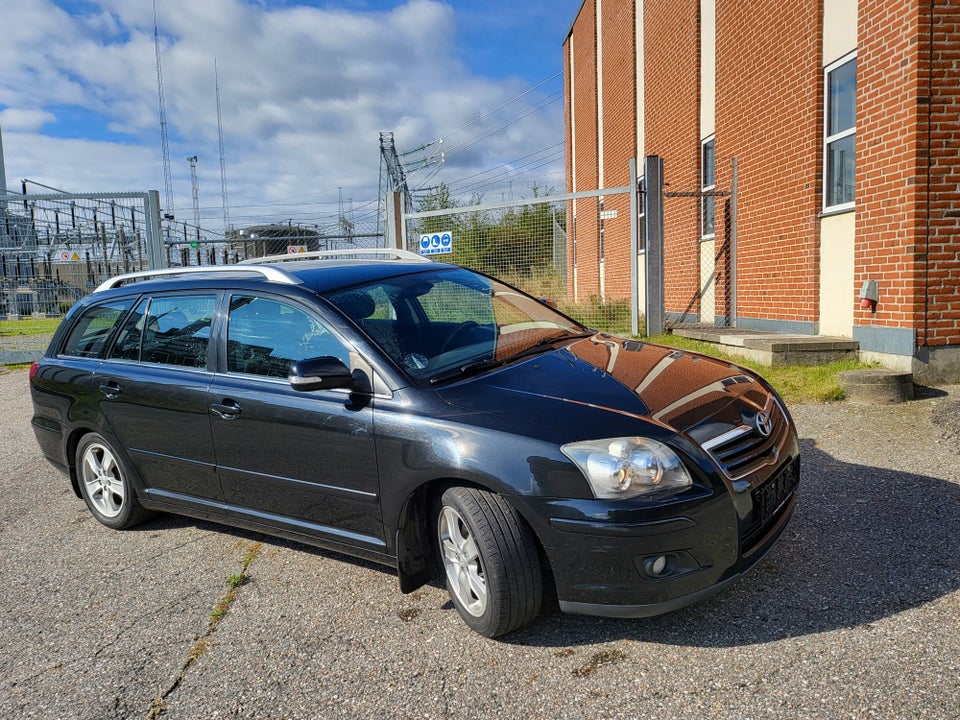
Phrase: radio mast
(223, 166)
(168, 211)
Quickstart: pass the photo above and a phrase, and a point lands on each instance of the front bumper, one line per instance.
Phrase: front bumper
(602, 554)
(669, 605)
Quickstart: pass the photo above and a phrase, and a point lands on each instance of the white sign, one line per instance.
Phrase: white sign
(295, 249)
(68, 256)
(436, 243)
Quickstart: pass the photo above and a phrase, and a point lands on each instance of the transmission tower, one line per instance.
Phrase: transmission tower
(396, 177)
(169, 211)
(195, 186)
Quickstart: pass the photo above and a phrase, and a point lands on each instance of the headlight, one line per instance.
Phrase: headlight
(621, 468)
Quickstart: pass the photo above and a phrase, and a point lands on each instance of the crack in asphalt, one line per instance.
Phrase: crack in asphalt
(199, 646)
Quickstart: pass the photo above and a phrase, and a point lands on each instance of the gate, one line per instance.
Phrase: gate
(692, 264)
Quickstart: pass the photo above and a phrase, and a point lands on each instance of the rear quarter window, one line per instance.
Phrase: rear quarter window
(92, 330)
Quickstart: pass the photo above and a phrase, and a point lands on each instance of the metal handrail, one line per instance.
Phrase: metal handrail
(268, 273)
(389, 253)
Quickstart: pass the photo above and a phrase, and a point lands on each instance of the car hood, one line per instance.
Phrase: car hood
(603, 385)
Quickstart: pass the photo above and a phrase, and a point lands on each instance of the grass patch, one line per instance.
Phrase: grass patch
(795, 383)
(28, 326)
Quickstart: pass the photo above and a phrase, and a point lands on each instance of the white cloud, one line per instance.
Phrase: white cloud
(304, 92)
(24, 119)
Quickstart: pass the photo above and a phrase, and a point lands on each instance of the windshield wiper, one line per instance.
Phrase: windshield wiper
(469, 369)
(546, 344)
(477, 366)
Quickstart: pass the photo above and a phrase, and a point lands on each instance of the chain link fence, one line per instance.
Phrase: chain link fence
(54, 248)
(525, 244)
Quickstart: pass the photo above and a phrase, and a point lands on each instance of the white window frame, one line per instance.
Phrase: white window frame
(830, 139)
(704, 188)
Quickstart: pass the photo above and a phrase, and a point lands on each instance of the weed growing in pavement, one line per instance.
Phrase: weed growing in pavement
(599, 659)
(199, 647)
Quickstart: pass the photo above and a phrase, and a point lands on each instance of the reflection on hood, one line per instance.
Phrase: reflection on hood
(671, 383)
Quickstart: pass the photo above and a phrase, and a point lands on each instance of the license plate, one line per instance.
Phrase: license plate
(768, 498)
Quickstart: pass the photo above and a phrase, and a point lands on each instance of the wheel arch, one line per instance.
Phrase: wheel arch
(73, 442)
(415, 549)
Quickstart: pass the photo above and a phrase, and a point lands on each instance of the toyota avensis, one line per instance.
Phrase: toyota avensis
(420, 415)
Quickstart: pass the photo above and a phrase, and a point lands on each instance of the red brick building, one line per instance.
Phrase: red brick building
(844, 121)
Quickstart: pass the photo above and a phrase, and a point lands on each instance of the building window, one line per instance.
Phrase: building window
(708, 184)
(840, 84)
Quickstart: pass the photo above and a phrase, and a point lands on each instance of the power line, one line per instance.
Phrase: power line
(503, 105)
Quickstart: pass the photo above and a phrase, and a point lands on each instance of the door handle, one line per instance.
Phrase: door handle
(227, 410)
(110, 389)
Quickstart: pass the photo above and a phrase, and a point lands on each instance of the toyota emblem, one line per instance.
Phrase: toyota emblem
(763, 423)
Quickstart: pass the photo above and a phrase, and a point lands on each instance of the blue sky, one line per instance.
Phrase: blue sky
(306, 87)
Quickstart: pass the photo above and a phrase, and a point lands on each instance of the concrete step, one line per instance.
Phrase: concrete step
(876, 386)
(772, 348)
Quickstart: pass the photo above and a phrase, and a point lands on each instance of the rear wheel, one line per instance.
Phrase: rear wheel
(105, 484)
(490, 561)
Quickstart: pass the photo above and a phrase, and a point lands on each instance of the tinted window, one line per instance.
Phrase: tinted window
(91, 331)
(265, 337)
(176, 330)
(127, 344)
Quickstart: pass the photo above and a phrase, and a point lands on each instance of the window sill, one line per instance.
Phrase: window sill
(839, 210)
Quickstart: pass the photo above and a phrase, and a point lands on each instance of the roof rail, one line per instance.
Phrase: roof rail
(268, 273)
(388, 253)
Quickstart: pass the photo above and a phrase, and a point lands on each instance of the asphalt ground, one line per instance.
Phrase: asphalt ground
(855, 614)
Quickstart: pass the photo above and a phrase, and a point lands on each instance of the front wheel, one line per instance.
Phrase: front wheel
(105, 484)
(490, 561)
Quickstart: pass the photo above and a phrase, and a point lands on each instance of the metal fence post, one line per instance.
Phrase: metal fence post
(653, 227)
(156, 258)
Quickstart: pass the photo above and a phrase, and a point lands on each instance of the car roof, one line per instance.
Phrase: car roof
(326, 276)
(320, 272)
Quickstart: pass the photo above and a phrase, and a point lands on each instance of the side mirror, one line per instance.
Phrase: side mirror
(549, 302)
(320, 373)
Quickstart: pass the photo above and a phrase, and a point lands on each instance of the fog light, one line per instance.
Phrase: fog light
(656, 566)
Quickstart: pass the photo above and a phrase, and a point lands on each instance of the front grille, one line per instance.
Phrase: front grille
(744, 450)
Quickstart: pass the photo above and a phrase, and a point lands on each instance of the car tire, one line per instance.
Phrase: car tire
(490, 561)
(105, 484)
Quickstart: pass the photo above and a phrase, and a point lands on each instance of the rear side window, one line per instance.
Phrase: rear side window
(172, 330)
(90, 333)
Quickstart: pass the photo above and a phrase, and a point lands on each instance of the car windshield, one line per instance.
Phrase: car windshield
(449, 322)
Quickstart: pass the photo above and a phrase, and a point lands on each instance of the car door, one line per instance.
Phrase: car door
(302, 461)
(153, 393)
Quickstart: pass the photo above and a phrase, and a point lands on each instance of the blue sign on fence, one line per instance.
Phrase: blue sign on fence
(436, 243)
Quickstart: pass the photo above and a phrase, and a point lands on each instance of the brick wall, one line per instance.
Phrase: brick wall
(769, 115)
(671, 129)
(618, 40)
(586, 157)
(890, 177)
(901, 122)
(942, 268)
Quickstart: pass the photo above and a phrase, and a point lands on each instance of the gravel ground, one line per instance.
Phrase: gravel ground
(855, 614)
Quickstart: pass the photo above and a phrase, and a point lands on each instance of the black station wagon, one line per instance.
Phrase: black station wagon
(420, 414)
